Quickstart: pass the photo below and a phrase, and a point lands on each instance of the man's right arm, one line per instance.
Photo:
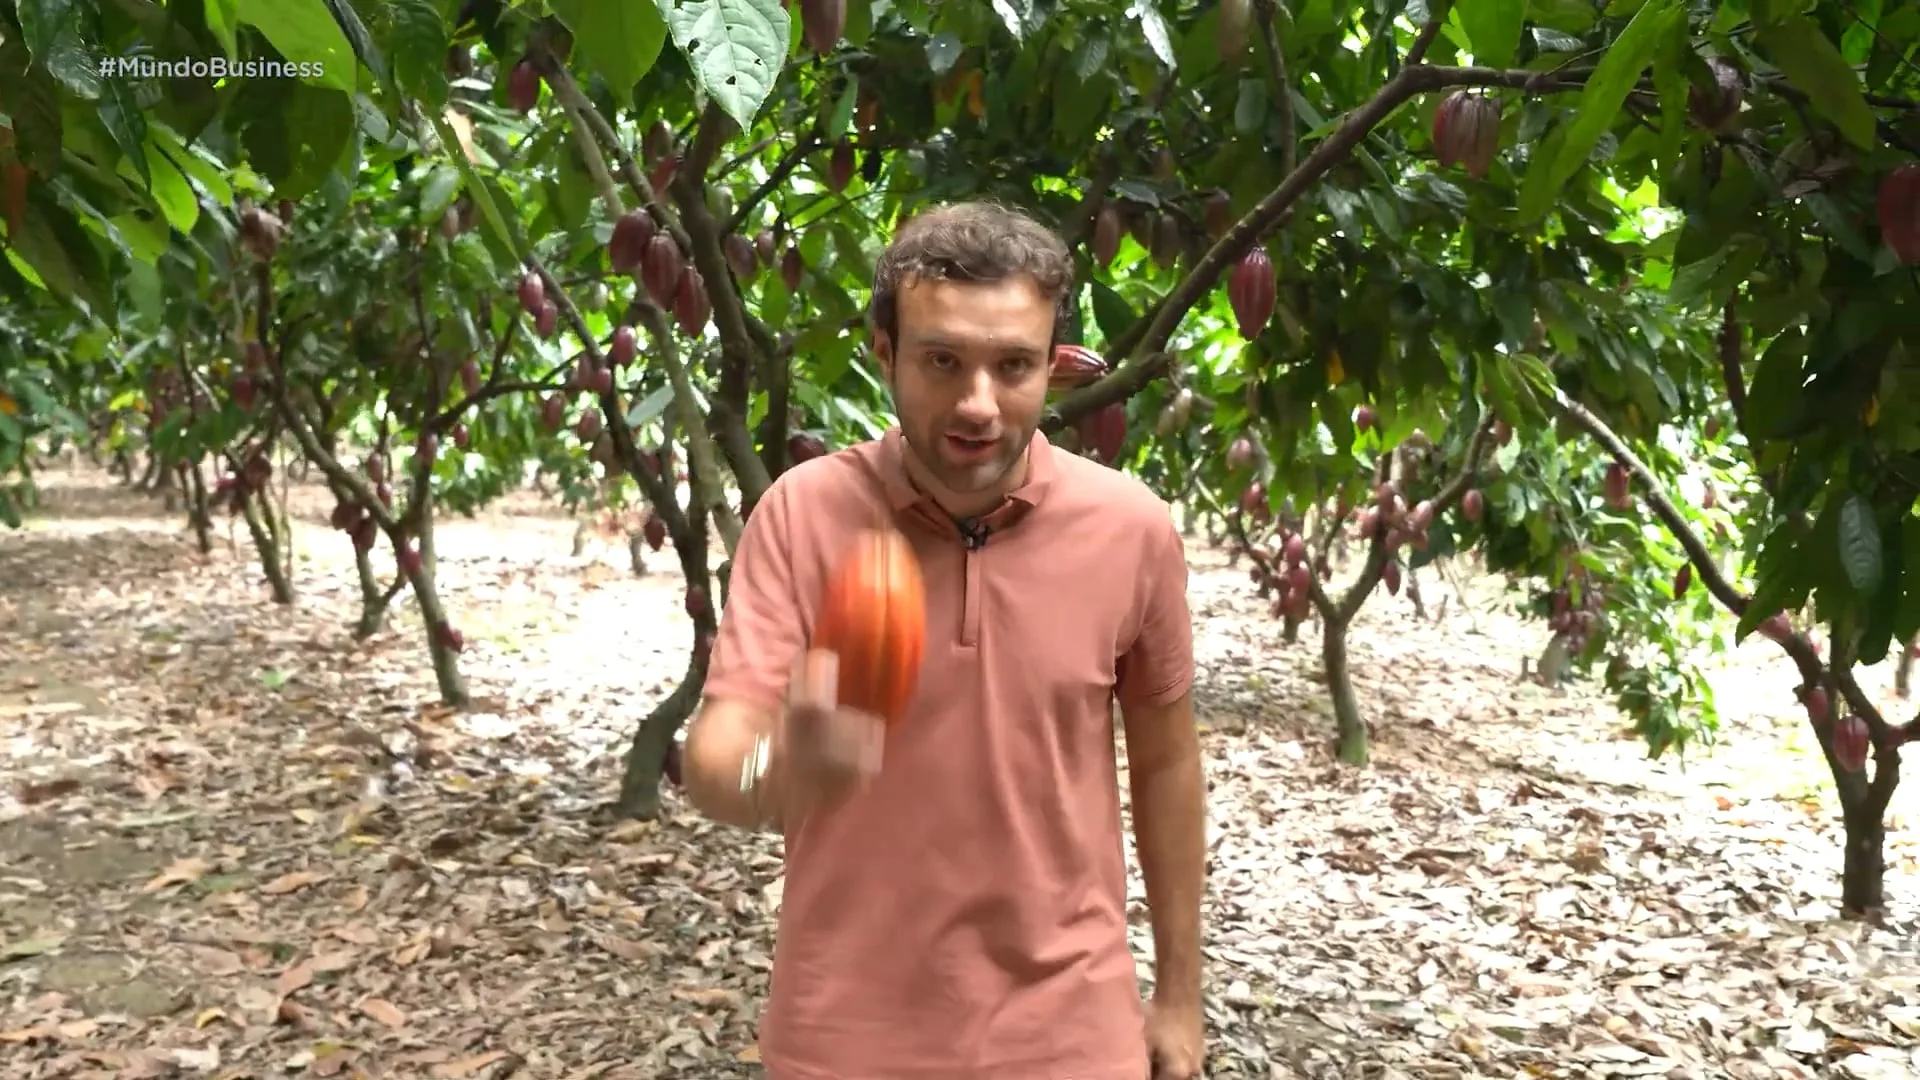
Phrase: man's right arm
(762, 632)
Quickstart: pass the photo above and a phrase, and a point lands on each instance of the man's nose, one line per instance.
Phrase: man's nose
(977, 403)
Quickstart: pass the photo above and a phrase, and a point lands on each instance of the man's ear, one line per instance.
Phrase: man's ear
(883, 353)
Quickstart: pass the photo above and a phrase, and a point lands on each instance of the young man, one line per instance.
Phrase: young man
(955, 905)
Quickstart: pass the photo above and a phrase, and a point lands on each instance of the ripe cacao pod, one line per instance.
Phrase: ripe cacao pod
(765, 246)
(1776, 627)
(523, 87)
(1851, 741)
(661, 174)
(692, 307)
(588, 426)
(660, 271)
(365, 533)
(824, 21)
(1899, 213)
(840, 166)
(655, 531)
(1390, 577)
(1166, 241)
(791, 267)
(1104, 432)
(1296, 550)
(740, 257)
(657, 143)
(460, 437)
(802, 446)
(1473, 504)
(1713, 106)
(628, 247)
(1107, 228)
(1466, 132)
(873, 616)
(1254, 502)
(1216, 213)
(1231, 31)
(1682, 580)
(470, 377)
(450, 638)
(1075, 366)
(1364, 419)
(1619, 486)
(1240, 454)
(553, 412)
(1819, 706)
(1502, 432)
(1251, 292)
(533, 293)
(408, 560)
(548, 320)
(623, 347)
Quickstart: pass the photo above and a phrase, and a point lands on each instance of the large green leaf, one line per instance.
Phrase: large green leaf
(1493, 29)
(620, 39)
(223, 18)
(1600, 103)
(736, 48)
(1813, 63)
(62, 254)
(418, 42)
(33, 103)
(1860, 554)
(304, 32)
(173, 194)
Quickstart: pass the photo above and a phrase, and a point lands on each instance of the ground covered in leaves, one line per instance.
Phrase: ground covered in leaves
(234, 842)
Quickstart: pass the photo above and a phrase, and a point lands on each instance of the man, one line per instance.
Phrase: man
(955, 905)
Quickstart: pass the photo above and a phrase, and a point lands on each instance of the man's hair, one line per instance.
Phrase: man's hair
(971, 241)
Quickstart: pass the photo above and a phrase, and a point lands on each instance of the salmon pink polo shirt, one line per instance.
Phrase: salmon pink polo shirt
(964, 918)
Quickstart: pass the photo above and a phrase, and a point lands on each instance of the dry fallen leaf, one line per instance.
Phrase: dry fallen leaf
(386, 1012)
(454, 1070)
(181, 872)
(294, 882)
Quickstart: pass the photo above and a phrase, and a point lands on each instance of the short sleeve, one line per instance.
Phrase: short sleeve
(762, 629)
(1158, 668)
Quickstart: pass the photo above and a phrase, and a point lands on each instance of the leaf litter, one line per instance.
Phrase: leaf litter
(234, 842)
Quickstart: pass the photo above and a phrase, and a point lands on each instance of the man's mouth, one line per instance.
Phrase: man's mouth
(964, 447)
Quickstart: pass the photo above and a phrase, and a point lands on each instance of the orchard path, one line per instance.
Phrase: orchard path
(234, 843)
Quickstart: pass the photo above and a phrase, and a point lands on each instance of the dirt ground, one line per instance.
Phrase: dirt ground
(236, 843)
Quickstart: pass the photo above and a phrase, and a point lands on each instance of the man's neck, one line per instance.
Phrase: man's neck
(972, 504)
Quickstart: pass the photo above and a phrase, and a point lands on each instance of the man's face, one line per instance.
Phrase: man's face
(969, 376)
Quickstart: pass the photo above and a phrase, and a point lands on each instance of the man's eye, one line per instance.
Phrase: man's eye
(943, 361)
(1018, 365)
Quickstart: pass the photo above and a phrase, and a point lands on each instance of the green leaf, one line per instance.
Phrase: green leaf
(1159, 38)
(304, 33)
(437, 192)
(1774, 396)
(1906, 623)
(223, 18)
(33, 103)
(1600, 104)
(621, 39)
(355, 31)
(736, 48)
(191, 164)
(1813, 63)
(1493, 29)
(1860, 554)
(418, 42)
(121, 115)
(1111, 312)
(62, 253)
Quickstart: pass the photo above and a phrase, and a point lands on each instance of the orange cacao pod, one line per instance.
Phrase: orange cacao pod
(875, 619)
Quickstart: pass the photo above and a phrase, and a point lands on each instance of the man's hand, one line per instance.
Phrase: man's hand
(1175, 1040)
(823, 752)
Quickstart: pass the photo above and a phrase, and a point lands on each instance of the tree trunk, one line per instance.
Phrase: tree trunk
(640, 781)
(373, 598)
(1413, 594)
(1354, 749)
(446, 662)
(1903, 672)
(198, 514)
(267, 547)
(1864, 867)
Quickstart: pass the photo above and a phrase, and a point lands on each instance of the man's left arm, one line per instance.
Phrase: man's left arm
(1163, 762)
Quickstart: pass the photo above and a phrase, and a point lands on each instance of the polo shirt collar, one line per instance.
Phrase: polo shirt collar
(902, 494)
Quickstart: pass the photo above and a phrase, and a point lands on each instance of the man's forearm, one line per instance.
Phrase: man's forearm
(1170, 832)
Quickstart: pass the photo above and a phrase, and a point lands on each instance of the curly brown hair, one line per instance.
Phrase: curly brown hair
(971, 241)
